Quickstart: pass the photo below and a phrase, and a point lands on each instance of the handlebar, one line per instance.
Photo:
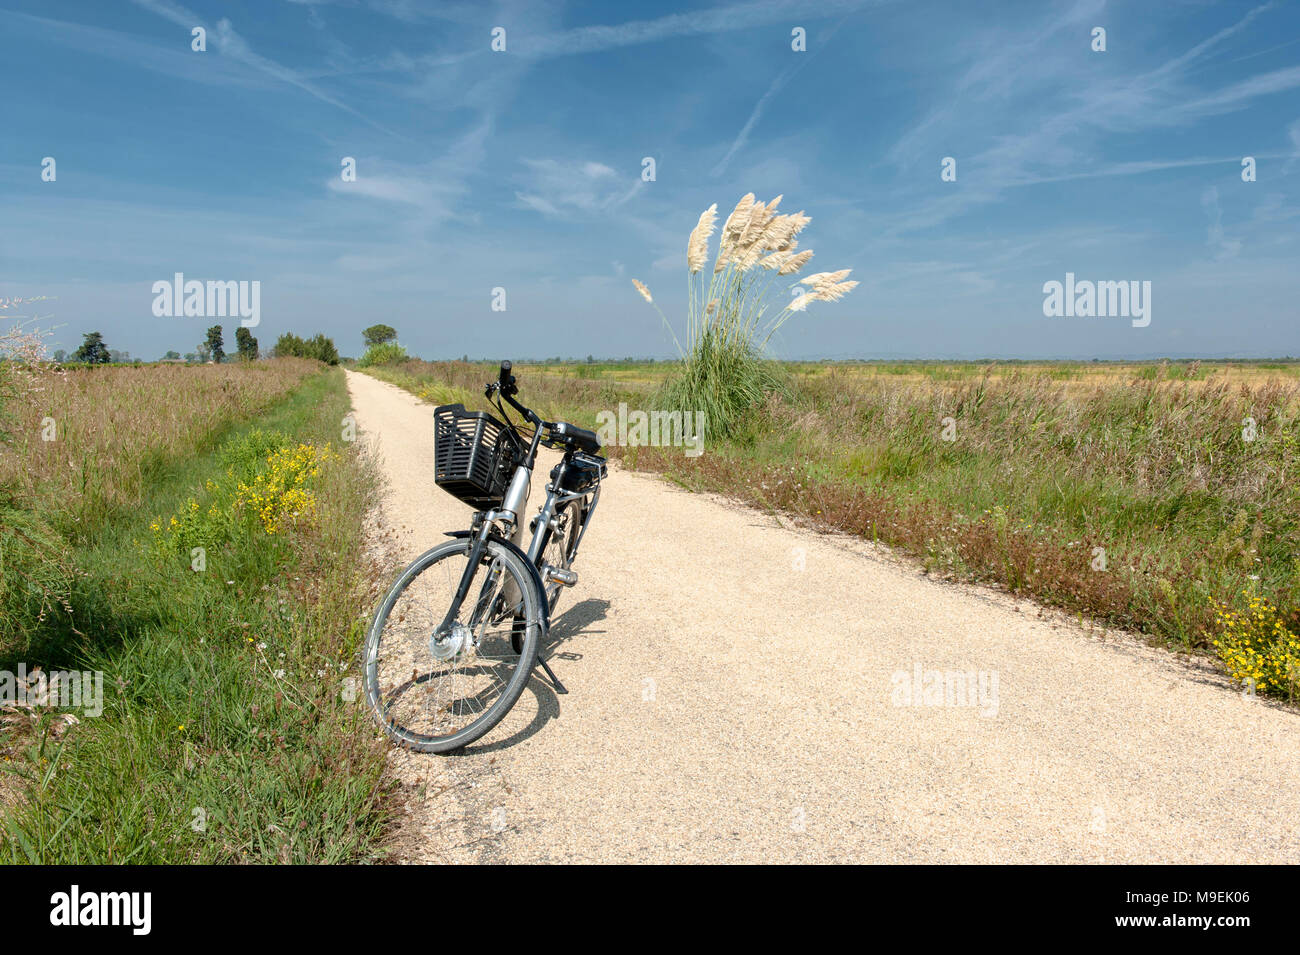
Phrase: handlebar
(506, 387)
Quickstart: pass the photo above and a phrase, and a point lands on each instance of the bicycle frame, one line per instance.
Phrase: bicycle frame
(485, 523)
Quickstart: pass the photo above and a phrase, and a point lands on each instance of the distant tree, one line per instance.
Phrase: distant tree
(204, 353)
(379, 334)
(245, 343)
(591, 360)
(93, 351)
(172, 354)
(318, 346)
(216, 346)
(123, 357)
(60, 355)
(191, 357)
(288, 345)
(322, 349)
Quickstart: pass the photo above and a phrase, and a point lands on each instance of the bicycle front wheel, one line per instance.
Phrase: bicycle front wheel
(436, 689)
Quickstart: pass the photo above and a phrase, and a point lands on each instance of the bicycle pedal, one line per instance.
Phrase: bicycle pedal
(566, 577)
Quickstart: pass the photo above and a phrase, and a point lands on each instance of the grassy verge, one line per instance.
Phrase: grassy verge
(221, 596)
(85, 443)
(1150, 497)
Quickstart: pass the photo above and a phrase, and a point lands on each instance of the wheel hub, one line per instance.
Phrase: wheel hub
(456, 642)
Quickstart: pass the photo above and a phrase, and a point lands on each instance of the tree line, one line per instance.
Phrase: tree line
(94, 351)
(380, 340)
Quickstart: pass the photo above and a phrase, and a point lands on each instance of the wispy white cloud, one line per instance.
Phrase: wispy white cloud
(775, 87)
(724, 19)
(1143, 166)
(408, 11)
(556, 188)
(529, 40)
(430, 191)
(1179, 63)
(176, 60)
(1236, 95)
(229, 43)
(1012, 79)
(742, 138)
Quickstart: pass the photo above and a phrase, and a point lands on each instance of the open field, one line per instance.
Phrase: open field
(195, 536)
(1139, 495)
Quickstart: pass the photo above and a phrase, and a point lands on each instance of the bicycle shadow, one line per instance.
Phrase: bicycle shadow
(568, 626)
(575, 622)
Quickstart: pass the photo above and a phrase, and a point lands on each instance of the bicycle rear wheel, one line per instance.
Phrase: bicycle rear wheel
(560, 546)
(438, 691)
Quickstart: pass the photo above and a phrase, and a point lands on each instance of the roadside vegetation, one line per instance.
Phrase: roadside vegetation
(1156, 497)
(195, 534)
(382, 354)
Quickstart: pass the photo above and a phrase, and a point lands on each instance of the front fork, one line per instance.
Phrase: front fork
(476, 548)
(514, 503)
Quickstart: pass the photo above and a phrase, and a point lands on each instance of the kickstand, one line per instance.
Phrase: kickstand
(555, 680)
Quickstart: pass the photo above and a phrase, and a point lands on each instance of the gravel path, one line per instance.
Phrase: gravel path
(739, 692)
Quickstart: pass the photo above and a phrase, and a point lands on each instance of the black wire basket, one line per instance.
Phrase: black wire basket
(471, 456)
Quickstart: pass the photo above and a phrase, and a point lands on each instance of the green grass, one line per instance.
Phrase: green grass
(725, 379)
(227, 734)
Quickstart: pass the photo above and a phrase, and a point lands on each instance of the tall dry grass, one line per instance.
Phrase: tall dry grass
(36, 572)
(1188, 487)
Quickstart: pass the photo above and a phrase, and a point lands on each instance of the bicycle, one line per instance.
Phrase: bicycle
(437, 681)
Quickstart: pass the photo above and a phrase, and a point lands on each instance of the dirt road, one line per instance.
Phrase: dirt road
(743, 691)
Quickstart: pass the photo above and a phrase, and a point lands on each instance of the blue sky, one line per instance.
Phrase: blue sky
(523, 169)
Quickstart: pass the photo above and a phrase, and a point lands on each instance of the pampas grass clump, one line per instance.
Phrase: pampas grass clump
(731, 317)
